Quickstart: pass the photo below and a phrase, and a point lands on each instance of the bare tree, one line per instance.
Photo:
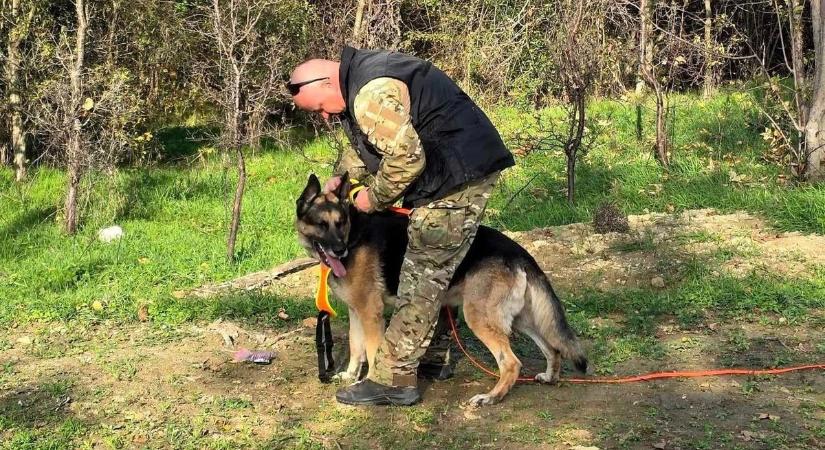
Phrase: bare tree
(577, 60)
(73, 151)
(650, 74)
(243, 78)
(710, 78)
(815, 125)
(358, 26)
(797, 118)
(84, 115)
(20, 22)
(377, 24)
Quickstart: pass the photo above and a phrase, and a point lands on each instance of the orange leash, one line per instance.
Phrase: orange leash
(643, 377)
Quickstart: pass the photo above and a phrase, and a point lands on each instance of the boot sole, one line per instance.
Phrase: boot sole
(381, 400)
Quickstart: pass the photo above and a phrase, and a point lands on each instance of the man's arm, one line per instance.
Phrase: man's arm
(350, 162)
(382, 110)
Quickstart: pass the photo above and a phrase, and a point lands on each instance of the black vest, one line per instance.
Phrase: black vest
(460, 143)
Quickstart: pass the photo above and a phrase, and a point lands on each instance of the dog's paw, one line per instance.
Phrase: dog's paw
(483, 400)
(546, 379)
(345, 376)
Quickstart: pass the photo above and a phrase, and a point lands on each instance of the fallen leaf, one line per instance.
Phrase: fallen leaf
(748, 436)
(143, 313)
(766, 416)
(97, 306)
(660, 445)
(582, 447)
(310, 322)
(178, 294)
(144, 260)
(470, 414)
(282, 314)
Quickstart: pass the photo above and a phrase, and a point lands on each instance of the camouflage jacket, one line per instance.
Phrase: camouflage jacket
(382, 110)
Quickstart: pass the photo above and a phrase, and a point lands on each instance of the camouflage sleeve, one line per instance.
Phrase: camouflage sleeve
(350, 162)
(382, 110)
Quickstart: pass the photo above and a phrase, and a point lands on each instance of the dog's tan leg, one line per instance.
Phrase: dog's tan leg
(373, 326)
(357, 350)
(556, 367)
(498, 342)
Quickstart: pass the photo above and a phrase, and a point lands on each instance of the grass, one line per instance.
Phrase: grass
(175, 215)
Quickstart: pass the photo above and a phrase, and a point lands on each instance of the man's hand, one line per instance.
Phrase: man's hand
(362, 201)
(332, 184)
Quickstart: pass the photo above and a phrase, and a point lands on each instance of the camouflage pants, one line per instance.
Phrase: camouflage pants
(440, 235)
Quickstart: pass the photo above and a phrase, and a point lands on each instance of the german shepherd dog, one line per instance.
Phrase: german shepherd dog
(499, 284)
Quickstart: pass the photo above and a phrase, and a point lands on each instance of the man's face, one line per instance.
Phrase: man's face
(318, 97)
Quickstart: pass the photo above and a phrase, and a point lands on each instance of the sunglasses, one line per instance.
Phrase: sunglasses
(294, 88)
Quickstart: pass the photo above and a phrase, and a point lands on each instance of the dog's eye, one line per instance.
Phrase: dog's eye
(339, 223)
(324, 226)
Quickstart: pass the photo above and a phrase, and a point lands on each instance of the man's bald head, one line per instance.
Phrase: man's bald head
(322, 96)
(314, 68)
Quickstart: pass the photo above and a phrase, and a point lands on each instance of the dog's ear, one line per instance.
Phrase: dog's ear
(344, 188)
(312, 189)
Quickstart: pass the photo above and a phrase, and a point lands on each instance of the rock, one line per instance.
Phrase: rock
(110, 234)
(657, 282)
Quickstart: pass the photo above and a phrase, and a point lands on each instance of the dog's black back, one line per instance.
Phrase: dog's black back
(386, 233)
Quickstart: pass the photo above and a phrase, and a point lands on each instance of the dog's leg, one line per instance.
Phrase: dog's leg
(553, 357)
(492, 333)
(373, 326)
(357, 350)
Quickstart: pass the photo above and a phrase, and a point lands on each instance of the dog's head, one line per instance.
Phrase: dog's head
(324, 222)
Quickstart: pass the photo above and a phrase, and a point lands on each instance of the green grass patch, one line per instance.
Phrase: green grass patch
(176, 215)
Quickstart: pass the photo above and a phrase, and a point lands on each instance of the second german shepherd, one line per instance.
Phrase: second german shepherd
(500, 286)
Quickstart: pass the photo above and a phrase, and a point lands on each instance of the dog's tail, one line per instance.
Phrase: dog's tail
(548, 315)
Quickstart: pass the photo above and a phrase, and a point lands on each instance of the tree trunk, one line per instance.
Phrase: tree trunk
(237, 137)
(236, 206)
(797, 60)
(815, 126)
(19, 30)
(74, 156)
(662, 143)
(571, 180)
(648, 73)
(646, 70)
(574, 142)
(709, 84)
(358, 27)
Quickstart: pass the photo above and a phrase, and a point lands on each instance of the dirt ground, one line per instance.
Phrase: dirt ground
(161, 387)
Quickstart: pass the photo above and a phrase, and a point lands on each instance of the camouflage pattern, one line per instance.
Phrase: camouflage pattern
(440, 352)
(440, 235)
(382, 110)
(351, 163)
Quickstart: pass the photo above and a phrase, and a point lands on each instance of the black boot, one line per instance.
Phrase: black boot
(369, 392)
(435, 371)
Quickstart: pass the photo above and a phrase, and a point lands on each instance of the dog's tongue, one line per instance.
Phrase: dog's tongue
(336, 266)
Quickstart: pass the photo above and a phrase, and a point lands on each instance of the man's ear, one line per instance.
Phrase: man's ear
(312, 189)
(344, 188)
